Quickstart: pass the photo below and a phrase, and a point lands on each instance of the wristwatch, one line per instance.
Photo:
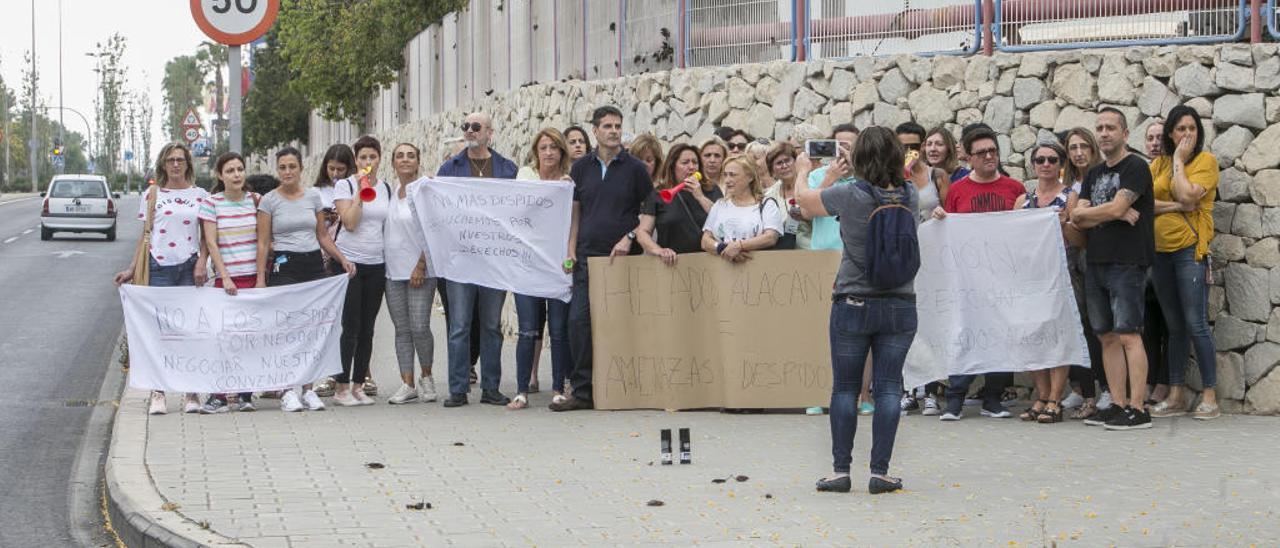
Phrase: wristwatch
(631, 235)
(720, 247)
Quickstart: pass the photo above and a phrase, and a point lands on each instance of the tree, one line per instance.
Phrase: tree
(341, 53)
(146, 121)
(211, 58)
(274, 111)
(183, 85)
(110, 101)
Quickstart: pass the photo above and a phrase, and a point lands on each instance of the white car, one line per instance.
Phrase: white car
(78, 203)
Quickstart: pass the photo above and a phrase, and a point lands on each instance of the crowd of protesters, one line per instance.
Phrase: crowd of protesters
(1136, 230)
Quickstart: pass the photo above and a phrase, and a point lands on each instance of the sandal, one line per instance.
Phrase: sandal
(518, 402)
(559, 398)
(1085, 411)
(1032, 413)
(1050, 416)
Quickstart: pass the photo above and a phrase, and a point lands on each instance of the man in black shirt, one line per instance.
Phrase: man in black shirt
(1117, 209)
(608, 187)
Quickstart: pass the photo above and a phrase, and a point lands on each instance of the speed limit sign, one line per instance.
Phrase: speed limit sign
(235, 22)
(191, 134)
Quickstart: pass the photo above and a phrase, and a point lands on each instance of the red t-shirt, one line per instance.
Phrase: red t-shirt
(967, 196)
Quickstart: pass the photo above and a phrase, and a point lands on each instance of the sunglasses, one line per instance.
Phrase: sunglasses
(986, 152)
(912, 146)
(1043, 160)
(472, 127)
(737, 146)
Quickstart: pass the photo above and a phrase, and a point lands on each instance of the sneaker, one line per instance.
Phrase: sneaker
(363, 397)
(370, 388)
(289, 402)
(324, 388)
(404, 394)
(345, 398)
(813, 411)
(190, 403)
(312, 401)
(214, 405)
(426, 390)
(1167, 408)
(866, 408)
(1072, 401)
(930, 406)
(996, 411)
(456, 400)
(954, 412)
(909, 403)
(1103, 416)
(246, 407)
(1104, 401)
(493, 397)
(1130, 419)
(1206, 411)
(158, 404)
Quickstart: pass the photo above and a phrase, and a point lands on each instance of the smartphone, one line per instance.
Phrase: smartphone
(821, 148)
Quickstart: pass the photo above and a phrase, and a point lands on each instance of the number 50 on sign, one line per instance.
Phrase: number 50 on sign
(235, 22)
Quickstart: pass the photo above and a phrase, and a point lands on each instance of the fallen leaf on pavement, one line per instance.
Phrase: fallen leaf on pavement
(654, 502)
(375, 465)
(741, 478)
(718, 480)
(170, 506)
(458, 444)
(419, 506)
(768, 496)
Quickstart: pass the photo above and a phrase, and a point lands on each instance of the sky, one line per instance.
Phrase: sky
(155, 31)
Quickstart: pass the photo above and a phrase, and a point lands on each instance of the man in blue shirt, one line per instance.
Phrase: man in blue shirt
(609, 186)
(468, 300)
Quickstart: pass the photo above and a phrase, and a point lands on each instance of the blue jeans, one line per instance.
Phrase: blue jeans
(178, 275)
(463, 299)
(532, 313)
(1114, 293)
(580, 333)
(885, 327)
(1180, 287)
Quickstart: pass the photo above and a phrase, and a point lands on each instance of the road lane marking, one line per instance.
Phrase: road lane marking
(69, 253)
(11, 239)
(18, 200)
(28, 231)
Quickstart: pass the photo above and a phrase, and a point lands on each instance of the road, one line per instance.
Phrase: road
(60, 321)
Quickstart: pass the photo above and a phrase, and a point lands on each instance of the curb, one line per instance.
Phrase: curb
(134, 505)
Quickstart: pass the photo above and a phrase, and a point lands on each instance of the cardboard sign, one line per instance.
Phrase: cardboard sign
(199, 339)
(707, 333)
(993, 294)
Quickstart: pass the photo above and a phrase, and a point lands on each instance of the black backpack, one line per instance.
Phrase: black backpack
(892, 248)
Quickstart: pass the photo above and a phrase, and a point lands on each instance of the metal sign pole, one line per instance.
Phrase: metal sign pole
(236, 73)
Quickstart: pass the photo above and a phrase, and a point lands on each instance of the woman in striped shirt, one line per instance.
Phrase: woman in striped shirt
(230, 221)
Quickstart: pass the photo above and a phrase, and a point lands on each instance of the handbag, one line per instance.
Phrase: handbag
(786, 240)
(142, 259)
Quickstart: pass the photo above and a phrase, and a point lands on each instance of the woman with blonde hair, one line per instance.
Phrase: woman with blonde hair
(549, 160)
(713, 153)
(647, 149)
(740, 222)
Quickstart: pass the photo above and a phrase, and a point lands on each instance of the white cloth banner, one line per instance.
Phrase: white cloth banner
(993, 294)
(498, 233)
(199, 339)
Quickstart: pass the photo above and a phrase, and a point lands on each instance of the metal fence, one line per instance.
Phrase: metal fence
(1038, 25)
(840, 28)
(1272, 17)
(726, 32)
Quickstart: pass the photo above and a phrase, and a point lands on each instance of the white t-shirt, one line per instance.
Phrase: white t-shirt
(326, 196)
(404, 240)
(728, 222)
(363, 245)
(175, 236)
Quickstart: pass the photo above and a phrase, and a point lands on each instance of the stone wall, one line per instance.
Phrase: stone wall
(1024, 97)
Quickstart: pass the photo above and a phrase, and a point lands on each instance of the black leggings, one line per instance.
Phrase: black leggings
(364, 300)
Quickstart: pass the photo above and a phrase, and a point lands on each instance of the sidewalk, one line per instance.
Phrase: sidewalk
(500, 478)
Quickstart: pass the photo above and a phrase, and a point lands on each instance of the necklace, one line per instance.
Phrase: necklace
(478, 166)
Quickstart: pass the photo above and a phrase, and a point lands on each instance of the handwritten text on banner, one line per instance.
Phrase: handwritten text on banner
(993, 294)
(706, 333)
(499, 233)
(199, 339)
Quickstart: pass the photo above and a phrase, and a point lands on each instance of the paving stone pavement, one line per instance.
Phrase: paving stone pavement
(495, 477)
